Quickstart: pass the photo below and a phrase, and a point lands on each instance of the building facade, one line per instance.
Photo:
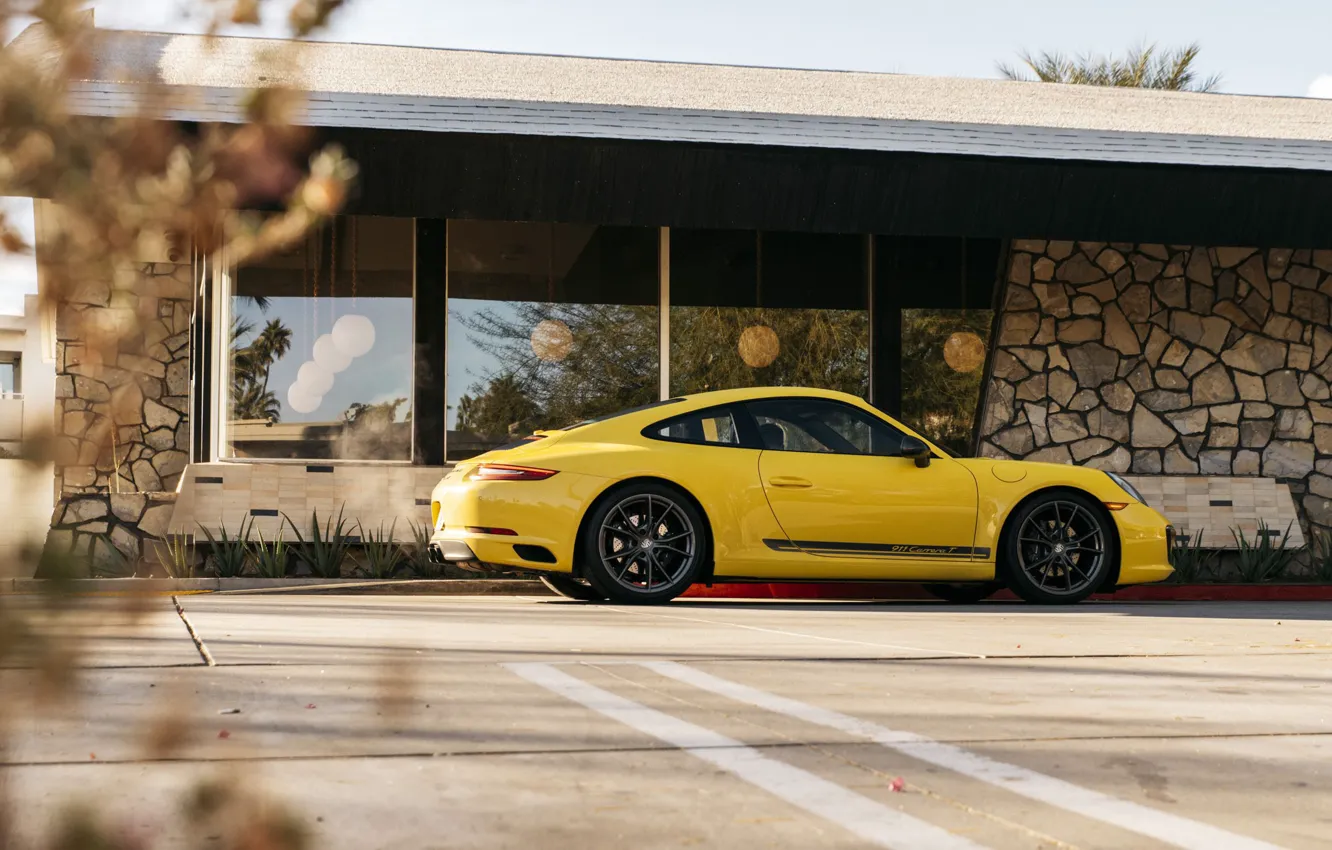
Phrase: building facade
(1137, 281)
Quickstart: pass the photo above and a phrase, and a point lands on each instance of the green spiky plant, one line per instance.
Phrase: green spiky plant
(176, 554)
(383, 556)
(270, 557)
(1320, 556)
(327, 546)
(117, 564)
(1259, 560)
(229, 554)
(418, 553)
(1192, 562)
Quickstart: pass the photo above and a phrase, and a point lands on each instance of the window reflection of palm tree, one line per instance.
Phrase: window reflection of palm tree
(252, 364)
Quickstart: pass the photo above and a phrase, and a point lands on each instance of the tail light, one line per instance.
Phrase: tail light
(505, 472)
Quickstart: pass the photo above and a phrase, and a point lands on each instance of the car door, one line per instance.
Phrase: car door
(839, 488)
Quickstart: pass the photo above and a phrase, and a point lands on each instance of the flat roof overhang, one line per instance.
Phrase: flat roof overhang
(442, 158)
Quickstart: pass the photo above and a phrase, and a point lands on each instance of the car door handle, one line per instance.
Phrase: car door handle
(790, 481)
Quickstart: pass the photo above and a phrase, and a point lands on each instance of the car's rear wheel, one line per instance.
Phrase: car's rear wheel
(1059, 549)
(644, 543)
(571, 588)
(963, 593)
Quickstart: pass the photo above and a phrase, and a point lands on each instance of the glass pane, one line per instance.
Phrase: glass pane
(768, 309)
(715, 426)
(943, 360)
(549, 325)
(9, 373)
(811, 425)
(321, 347)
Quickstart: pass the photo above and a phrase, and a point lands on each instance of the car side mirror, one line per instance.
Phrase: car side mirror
(915, 448)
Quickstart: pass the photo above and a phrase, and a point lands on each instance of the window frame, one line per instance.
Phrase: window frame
(223, 279)
(753, 423)
(746, 430)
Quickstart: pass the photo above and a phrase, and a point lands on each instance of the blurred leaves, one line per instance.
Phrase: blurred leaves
(127, 191)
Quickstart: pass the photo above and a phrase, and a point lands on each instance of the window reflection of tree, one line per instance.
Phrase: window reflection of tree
(613, 363)
(937, 398)
(828, 349)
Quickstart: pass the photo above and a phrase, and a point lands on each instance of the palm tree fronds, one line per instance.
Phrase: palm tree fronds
(1143, 67)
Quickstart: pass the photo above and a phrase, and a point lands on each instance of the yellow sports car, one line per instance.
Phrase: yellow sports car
(782, 484)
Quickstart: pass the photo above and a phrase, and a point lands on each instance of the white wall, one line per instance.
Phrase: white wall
(27, 490)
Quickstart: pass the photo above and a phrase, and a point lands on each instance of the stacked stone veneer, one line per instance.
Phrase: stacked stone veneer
(122, 408)
(1167, 359)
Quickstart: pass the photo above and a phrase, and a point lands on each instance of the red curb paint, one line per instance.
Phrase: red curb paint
(895, 592)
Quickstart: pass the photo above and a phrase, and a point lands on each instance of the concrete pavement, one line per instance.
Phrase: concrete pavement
(526, 722)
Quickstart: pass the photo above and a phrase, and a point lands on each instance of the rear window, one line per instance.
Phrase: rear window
(715, 426)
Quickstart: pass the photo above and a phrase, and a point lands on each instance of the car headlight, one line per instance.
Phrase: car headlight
(1127, 487)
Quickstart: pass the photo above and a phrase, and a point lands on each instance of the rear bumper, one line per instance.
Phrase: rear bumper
(495, 552)
(544, 516)
(445, 551)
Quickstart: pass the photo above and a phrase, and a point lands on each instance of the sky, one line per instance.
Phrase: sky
(382, 375)
(1275, 48)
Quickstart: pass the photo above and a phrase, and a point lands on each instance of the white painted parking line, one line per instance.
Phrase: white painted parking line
(1172, 829)
(871, 820)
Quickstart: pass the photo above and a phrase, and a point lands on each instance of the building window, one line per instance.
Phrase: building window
(768, 309)
(11, 405)
(548, 324)
(320, 352)
(943, 363)
(9, 375)
(934, 301)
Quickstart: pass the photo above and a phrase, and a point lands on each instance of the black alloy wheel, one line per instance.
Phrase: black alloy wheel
(571, 588)
(1059, 549)
(644, 543)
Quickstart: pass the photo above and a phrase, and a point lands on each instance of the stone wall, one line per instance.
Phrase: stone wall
(1167, 359)
(122, 407)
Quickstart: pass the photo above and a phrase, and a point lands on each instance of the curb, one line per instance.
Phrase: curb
(906, 592)
(829, 591)
(174, 587)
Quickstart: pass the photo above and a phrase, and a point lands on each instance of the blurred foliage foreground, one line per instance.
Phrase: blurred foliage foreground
(127, 188)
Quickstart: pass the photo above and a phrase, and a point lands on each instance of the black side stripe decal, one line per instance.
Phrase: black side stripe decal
(877, 550)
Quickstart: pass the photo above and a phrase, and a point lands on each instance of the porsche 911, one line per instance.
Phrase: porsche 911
(787, 485)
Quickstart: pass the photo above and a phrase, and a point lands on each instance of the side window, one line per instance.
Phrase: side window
(714, 427)
(817, 425)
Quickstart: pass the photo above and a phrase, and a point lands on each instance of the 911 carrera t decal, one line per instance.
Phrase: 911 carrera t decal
(876, 550)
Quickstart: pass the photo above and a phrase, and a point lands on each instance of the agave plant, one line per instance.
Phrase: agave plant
(1259, 560)
(1320, 555)
(383, 555)
(176, 554)
(1192, 562)
(327, 546)
(270, 556)
(116, 564)
(229, 553)
(418, 553)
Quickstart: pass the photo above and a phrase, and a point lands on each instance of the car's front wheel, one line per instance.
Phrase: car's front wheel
(644, 543)
(1059, 549)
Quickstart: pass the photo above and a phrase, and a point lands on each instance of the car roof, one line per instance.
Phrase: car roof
(637, 418)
